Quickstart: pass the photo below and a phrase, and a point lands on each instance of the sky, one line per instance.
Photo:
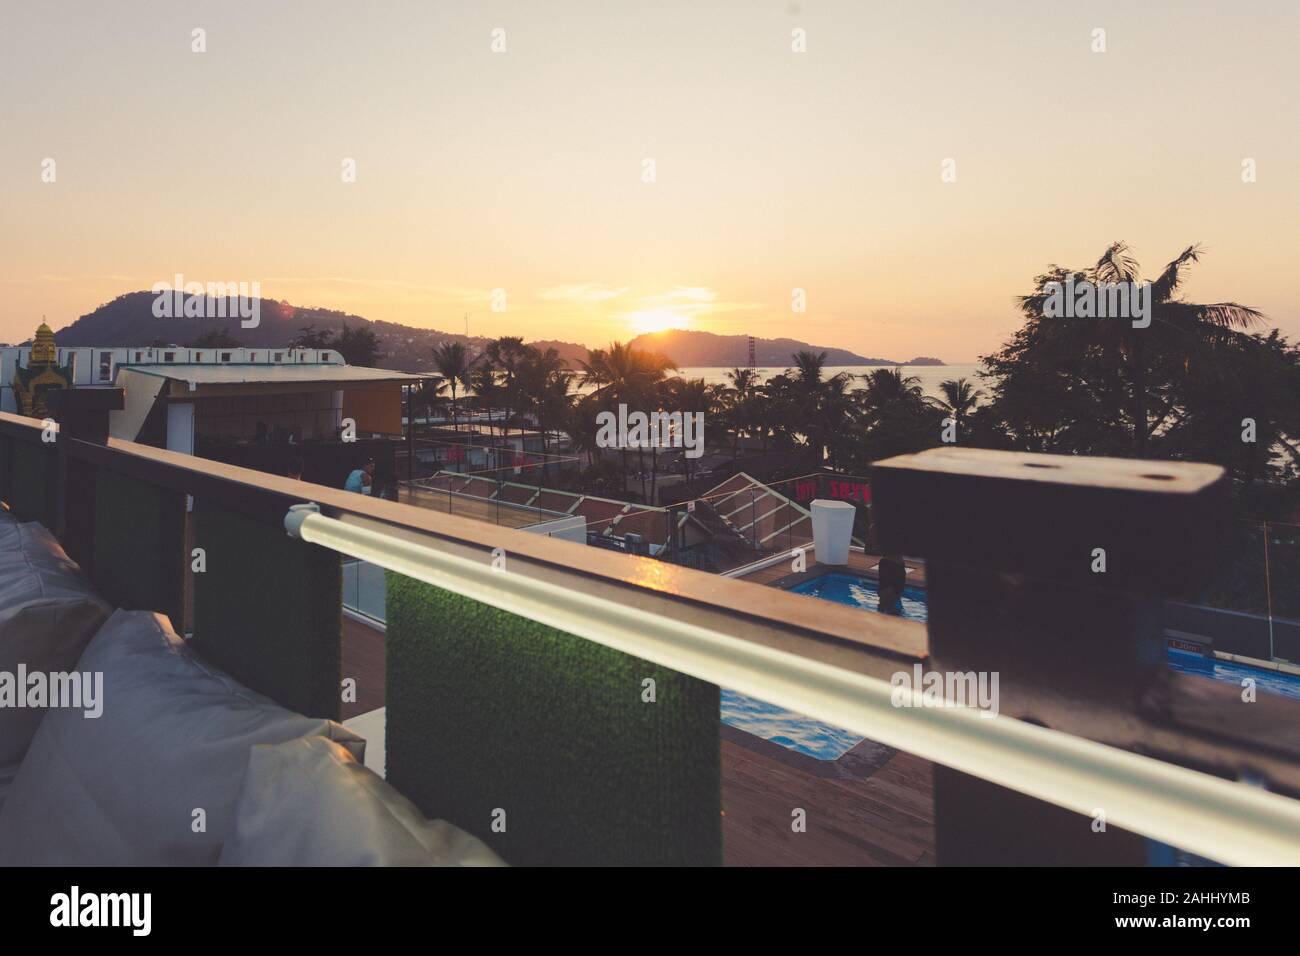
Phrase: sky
(620, 167)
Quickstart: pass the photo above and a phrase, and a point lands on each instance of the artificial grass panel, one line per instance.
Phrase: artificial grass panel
(33, 481)
(139, 546)
(267, 610)
(489, 710)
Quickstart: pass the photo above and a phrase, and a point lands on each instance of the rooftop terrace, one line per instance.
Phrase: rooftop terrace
(523, 683)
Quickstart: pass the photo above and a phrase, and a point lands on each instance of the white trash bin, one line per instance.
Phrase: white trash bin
(832, 530)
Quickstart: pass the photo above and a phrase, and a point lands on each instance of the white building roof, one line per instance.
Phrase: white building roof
(262, 374)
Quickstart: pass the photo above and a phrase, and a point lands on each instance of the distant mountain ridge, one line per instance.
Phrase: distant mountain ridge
(129, 321)
(692, 349)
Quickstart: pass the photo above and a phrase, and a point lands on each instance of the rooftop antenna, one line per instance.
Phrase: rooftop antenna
(466, 325)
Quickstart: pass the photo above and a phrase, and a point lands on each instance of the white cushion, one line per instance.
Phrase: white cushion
(308, 802)
(154, 780)
(6, 781)
(48, 614)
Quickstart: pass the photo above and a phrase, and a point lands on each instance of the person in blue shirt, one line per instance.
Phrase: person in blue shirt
(361, 478)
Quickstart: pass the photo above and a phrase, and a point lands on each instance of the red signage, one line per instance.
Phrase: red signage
(836, 488)
(850, 490)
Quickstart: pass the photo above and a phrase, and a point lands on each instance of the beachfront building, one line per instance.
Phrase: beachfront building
(96, 366)
(256, 407)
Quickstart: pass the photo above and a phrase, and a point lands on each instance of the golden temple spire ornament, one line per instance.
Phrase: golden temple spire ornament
(41, 375)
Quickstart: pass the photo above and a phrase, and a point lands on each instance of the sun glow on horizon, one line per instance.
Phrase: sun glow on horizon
(647, 321)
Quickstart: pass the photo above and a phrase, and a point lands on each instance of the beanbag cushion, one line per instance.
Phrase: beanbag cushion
(152, 781)
(48, 614)
(308, 802)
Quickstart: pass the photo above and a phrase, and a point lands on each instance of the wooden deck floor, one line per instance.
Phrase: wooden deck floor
(363, 661)
(884, 819)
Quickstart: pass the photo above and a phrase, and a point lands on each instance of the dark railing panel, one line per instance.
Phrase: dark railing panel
(267, 609)
(138, 545)
(489, 713)
(33, 486)
(6, 466)
(1051, 572)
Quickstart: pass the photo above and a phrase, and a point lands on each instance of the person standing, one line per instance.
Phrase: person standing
(893, 578)
(360, 479)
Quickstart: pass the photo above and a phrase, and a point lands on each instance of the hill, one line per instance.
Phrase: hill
(129, 321)
(690, 349)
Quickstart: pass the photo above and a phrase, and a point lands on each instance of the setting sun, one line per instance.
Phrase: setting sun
(655, 320)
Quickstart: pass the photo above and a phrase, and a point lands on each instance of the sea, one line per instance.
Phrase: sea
(929, 376)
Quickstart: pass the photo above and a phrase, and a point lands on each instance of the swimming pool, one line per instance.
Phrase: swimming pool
(1273, 682)
(826, 742)
(795, 731)
(860, 592)
(792, 731)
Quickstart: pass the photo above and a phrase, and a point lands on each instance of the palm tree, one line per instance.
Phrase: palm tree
(624, 375)
(430, 393)
(543, 381)
(889, 386)
(453, 363)
(580, 423)
(895, 414)
(1180, 331)
(595, 369)
(688, 396)
(507, 353)
(743, 380)
(836, 413)
(959, 398)
(487, 389)
(819, 404)
(809, 367)
(738, 402)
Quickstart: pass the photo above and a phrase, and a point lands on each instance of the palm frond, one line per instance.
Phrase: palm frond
(1116, 264)
(1171, 278)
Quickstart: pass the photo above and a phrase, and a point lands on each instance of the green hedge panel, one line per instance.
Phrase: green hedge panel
(267, 610)
(487, 710)
(139, 545)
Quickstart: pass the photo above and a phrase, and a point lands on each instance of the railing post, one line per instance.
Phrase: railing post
(82, 414)
(1049, 571)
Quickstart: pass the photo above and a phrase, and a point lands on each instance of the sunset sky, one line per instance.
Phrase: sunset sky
(523, 170)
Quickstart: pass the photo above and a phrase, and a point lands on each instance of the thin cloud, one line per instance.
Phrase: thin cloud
(54, 278)
(590, 292)
(412, 288)
(696, 302)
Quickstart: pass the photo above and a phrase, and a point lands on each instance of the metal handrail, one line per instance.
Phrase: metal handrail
(1230, 822)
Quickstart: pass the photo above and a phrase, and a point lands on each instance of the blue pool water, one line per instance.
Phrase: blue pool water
(795, 731)
(1273, 682)
(825, 742)
(785, 727)
(860, 592)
